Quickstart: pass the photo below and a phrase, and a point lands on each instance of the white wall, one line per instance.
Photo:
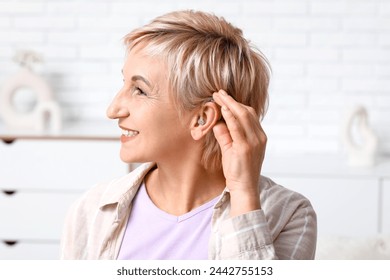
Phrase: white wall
(326, 55)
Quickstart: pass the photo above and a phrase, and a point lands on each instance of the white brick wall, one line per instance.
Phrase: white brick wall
(326, 55)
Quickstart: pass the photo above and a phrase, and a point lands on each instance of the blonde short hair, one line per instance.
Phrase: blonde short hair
(204, 53)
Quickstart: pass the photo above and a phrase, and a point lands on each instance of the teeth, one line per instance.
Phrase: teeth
(129, 133)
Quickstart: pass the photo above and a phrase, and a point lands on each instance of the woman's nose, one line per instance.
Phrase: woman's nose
(117, 110)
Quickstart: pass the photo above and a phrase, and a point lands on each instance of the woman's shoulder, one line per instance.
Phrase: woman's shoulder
(285, 208)
(274, 194)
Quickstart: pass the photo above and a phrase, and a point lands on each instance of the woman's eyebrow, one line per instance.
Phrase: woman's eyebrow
(137, 77)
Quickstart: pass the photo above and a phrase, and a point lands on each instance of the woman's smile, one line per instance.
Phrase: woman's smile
(128, 134)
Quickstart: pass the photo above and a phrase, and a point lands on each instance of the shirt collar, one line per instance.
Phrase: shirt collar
(125, 187)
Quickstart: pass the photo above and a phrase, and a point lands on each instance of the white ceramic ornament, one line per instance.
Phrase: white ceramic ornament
(45, 115)
(356, 125)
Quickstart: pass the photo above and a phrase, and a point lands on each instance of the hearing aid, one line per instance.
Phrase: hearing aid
(201, 121)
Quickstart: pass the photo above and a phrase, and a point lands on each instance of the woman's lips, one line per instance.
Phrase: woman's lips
(128, 134)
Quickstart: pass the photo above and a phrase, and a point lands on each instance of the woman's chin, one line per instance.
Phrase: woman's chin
(132, 159)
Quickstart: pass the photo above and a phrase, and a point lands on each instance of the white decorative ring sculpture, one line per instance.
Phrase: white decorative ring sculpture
(45, 107)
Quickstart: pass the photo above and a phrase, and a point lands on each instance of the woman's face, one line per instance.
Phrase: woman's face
(151, 128)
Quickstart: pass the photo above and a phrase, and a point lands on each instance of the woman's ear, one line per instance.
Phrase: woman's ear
(205, 120)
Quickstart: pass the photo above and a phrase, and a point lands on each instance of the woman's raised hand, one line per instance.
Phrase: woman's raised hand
(242, 141)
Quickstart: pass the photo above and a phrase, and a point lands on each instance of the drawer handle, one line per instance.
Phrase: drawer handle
(9, 140)
(9, 192)
(10, 242)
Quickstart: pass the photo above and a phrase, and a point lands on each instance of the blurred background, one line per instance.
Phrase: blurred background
(327, 56)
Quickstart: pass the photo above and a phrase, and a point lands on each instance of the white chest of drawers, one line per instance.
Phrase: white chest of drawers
(349, 201)
(41, 175)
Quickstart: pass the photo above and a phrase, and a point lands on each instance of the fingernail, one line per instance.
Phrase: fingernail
(223, 92)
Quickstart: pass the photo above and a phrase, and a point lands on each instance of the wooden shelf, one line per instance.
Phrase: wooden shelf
(85, 130)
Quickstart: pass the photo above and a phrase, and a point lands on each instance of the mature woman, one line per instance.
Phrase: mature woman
(193, 93)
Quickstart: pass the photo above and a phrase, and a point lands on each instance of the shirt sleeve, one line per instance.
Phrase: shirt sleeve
(247, 237)
(72, 243)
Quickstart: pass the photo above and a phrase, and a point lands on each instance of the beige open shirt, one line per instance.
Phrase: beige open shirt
(285, 227)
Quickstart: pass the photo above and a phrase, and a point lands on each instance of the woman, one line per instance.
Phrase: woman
(189, 110)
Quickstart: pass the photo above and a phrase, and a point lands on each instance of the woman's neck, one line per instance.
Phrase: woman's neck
(179, 188)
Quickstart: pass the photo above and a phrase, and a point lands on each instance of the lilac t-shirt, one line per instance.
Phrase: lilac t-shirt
(152, 234)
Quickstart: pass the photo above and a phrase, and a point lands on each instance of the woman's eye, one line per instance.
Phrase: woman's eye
(139, 91)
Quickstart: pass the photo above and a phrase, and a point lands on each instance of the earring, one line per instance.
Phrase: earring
(201, 121)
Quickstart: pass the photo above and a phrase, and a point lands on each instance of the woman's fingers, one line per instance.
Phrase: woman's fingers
(241, 120)
(234, 125)
(222, 134)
